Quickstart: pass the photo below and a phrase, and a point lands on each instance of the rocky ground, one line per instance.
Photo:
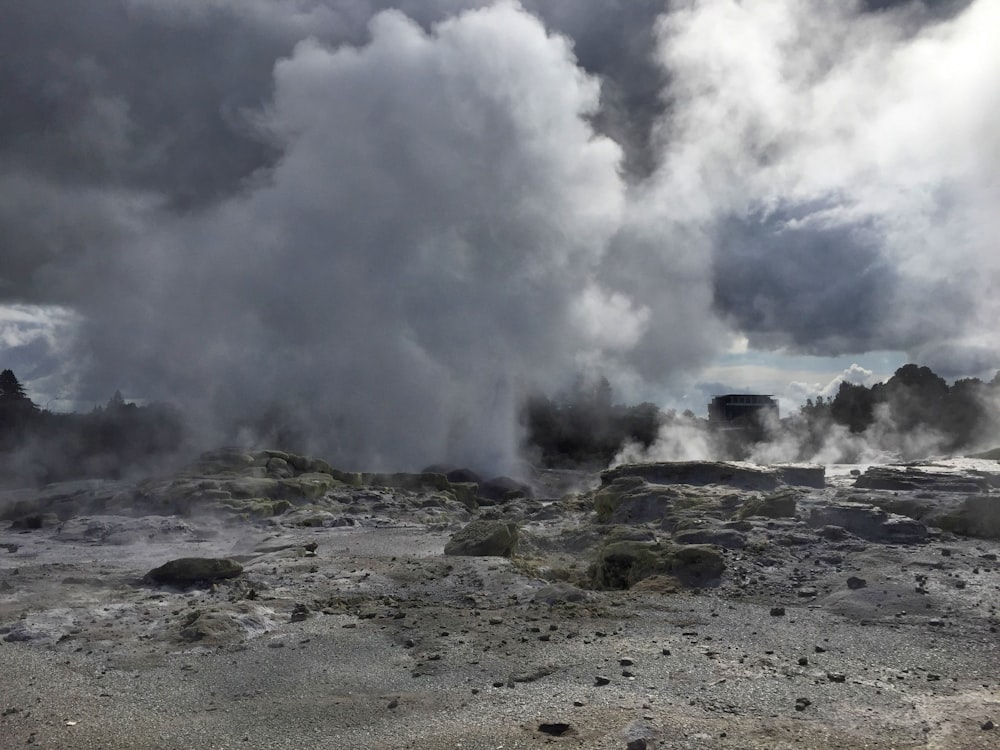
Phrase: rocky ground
(696, 605)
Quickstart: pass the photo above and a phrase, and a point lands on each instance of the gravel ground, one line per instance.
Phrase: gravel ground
(379, 640)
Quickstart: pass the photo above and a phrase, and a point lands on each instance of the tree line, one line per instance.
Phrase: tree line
(40, 446)
(963, 415)
(584, 427)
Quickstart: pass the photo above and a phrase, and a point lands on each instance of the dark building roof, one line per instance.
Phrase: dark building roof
(734, 407)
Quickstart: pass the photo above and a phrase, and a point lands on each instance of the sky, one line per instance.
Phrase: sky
(388, 221)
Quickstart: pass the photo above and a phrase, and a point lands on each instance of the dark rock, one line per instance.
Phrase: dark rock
(836, 677)
(504, 489)
(856, 583)
(777, 611)
(454, 473)
(801, 704)
(637, 744)
(487, 538)
(599, 681)
(987, 725)
(188, 571)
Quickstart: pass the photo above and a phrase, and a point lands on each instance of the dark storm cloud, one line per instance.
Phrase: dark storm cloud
(819, 290)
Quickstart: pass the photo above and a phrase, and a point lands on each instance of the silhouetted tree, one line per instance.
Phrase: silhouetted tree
(854, 406)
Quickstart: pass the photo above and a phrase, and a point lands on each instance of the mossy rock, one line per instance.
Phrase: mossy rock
(484, 538)
(299, 463)
(248, 487)
(319, 466)
(187, 571)
(280, 468)
(777, 505)
(621, 565)
(311, 486)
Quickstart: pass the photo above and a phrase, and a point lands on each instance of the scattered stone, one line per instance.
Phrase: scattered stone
(637, 744)
(987, 725)
(599, 681)
(299, 613)
(856, 583)
(777, 611)
(836, 676)
(801, 704)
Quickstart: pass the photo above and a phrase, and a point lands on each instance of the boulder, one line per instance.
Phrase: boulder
(484, 538)
(188, 571)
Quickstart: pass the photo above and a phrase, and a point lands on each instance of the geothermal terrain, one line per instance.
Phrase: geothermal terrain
(268, 600)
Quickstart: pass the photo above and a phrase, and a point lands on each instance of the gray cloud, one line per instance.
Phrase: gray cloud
(393, 223)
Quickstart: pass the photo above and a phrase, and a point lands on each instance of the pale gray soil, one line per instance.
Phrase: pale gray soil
(402, 647)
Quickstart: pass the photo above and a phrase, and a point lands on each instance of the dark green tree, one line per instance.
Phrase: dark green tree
(11, 390)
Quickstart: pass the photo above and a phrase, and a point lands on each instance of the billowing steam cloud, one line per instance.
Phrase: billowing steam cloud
(384, 221)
